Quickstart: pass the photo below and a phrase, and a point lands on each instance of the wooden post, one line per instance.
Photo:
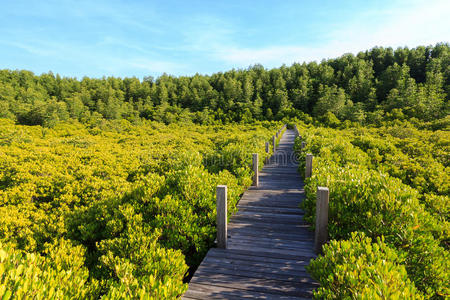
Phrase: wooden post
(267, 147)
(274, 141)
(308, 168)
(221, 199)
(321, 233)
(303, 145)
(255, 169)
(276, 134)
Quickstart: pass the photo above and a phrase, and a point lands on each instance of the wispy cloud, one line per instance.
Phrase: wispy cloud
(126, 38)
(149, 65)
(411, 24)
(274, 55)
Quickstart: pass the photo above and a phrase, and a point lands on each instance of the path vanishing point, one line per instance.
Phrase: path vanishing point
(269, 244)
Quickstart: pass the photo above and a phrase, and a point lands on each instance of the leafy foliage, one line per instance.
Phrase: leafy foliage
(359, 269)
(407, 207)
(375, 85)
(117, 210)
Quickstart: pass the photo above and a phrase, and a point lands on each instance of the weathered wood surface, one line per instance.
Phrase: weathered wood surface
(269, 244)
(221, 219)
(321, 233)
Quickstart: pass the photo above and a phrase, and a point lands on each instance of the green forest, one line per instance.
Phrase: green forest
(373, 86)
(107, 186)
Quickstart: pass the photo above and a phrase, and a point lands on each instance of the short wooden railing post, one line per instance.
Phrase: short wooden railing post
(274, 140)
(267, 147)
(308, 167)
(321, 232)
(221, 199)
(255, 169)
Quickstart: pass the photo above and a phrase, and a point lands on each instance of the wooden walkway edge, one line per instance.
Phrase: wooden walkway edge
(269, 244)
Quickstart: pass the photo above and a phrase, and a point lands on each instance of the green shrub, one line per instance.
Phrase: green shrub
(359, 269)
(59, 275)
(364, 198)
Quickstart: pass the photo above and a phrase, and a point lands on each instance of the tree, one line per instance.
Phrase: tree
(332, 99)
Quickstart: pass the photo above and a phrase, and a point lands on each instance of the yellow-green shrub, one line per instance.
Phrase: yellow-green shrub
(58, 275)
(359, 269)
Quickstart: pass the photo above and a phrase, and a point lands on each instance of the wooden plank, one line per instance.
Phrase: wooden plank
(286, 192)
(267, 230)
(279, 248)
(292, 234)
(268, 217)
(277, 174)
(202, 291)
(271, 252)
(287, 267)
(256, 284)
(260, 273)
(283, 180)
(277, 210)
(275, 200)
(254, 194)
(302, 235)
(270, 240)
(288, 228)
(255, 256)
(271, 187)
(277, 170)
(271, 221)
(244, 266)
(270, 203)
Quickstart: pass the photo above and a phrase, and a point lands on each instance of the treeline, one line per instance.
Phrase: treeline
(375, 85)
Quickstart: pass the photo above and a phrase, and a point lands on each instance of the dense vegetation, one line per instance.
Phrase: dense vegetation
(375, 85)
(114, 211)
(389, 211)
(107, 186)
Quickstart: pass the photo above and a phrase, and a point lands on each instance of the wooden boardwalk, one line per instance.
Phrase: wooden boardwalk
(269, 244)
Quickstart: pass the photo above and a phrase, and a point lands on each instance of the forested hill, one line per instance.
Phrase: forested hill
(368, 88)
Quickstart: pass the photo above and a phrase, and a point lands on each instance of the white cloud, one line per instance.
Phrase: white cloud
(409, 24)
(151, 66)
(270, 56)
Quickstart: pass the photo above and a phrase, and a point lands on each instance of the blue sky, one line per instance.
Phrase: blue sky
(140, 38)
